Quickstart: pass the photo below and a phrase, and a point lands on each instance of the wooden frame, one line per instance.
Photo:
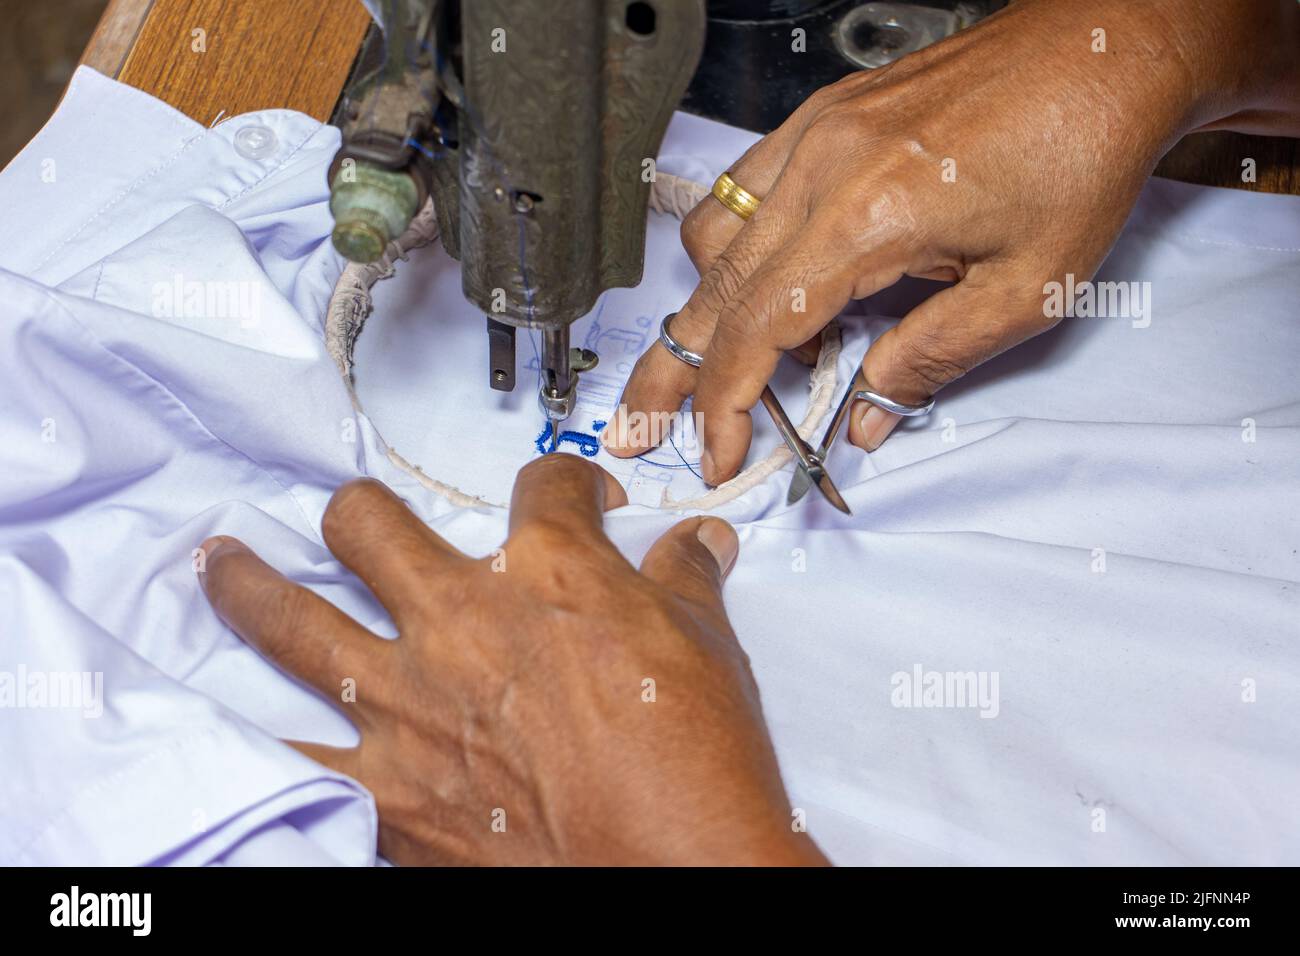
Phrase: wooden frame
(210, 58)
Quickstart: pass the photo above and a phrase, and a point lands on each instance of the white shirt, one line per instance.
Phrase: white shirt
(1103, 525)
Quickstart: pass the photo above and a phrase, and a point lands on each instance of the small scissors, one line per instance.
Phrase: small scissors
(858, 388)
(810, 471)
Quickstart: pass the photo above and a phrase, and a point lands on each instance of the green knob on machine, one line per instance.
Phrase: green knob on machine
(372, 206)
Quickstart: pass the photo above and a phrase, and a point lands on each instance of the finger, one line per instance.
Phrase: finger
(296, 630)
(344, 760)
(936, 343)
(376, 536)
(658, 386)
(692, 559)
(809, 352)
(710, 227)
(725, 250)
(566, 492)
(793, 296)
(661, 382)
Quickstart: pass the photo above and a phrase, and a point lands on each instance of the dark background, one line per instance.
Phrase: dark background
(40, 43)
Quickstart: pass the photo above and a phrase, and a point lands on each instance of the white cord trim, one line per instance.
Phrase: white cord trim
(350, 306)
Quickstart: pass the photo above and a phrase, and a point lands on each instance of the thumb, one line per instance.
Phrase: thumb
(692, 559)
(938, 342)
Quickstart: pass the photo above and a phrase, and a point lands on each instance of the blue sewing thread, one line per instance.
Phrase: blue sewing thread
(427, 152)
(598, 425)
(683, 458)
(588, 445)
(661, 464)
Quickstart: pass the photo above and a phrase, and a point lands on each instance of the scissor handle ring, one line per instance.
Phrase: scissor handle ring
(896, 408)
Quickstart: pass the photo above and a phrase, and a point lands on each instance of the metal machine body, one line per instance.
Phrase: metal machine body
(534, 127)
(762, 58)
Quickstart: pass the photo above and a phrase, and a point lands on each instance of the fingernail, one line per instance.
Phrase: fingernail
(706, 467)
(218, 544)
(720, 538)
(876, 426)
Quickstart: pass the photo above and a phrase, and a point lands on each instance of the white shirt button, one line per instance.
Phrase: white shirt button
(255, 141)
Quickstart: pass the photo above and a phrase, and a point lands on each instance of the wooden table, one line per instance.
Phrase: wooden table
(214, 57)
(223, 57)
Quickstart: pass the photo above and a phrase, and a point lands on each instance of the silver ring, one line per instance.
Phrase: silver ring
(676, 348)
(889, 405)
(695, 359)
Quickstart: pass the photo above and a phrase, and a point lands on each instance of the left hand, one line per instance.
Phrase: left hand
(511, 721)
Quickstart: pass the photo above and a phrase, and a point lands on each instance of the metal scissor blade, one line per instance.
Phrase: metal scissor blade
(801, 482)
(799, 486)
(808, 463)
(828, 489)
(802, 453)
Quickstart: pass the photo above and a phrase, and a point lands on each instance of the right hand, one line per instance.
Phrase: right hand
(1002, 158)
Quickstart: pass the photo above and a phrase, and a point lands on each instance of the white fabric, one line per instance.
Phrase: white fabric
(126, 438)
(650, 479)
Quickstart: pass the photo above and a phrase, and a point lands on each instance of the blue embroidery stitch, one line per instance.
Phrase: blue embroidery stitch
(588, 445)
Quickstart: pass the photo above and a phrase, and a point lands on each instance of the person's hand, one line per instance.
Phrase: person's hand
(545, 704)
(1003, 158)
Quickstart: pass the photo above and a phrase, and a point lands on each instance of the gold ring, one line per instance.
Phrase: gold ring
(739, 200)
